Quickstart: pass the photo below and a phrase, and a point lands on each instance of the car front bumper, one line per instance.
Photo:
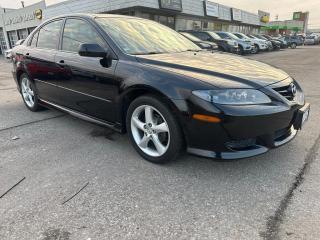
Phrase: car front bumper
(244, 131)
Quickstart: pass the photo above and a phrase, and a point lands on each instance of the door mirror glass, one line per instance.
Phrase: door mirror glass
(92, 50)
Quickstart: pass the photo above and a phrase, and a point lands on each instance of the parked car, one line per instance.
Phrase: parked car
(264, 45)
(283, 43)
(223, 45)
(202, 44)
(312, 40)
(138, 76)
(8, 53)
(257, 44)
(245, 46)
(293, 41)
(272, 44)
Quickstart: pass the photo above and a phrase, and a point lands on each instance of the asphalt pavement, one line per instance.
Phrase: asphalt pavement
(71, 179)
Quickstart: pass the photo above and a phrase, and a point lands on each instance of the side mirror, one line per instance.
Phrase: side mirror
(92, 50)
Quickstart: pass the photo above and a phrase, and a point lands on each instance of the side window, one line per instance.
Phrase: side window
(77, 32)
(34, 40)
(49, 35)
(203, 36)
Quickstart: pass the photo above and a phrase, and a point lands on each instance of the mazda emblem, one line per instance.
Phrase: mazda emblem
(293, 89)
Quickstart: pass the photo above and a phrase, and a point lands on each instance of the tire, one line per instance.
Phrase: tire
(146, 134)
(29, 93)
(241, 51)
(256, 49)
(293, 45)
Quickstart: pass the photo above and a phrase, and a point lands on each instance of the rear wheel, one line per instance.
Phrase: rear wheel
(293, 45)
(29, 94)
(153, 130)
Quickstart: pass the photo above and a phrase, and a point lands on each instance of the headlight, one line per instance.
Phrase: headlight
(232, 43)
(233, 96)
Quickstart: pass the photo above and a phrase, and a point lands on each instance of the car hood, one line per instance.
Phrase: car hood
(218, 69)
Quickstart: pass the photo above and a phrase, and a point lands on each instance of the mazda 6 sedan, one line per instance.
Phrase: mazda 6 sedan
(137, 76)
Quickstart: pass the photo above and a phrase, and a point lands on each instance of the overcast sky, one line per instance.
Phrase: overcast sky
(283, 8)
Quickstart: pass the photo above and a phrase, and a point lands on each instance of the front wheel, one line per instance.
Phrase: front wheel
(255, 49)
(153, 130)
(293, 45)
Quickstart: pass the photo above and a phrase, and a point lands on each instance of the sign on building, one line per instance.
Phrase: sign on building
(264, 16)
(211, 8)
(175, 5)
(224, 13)
(236, 14)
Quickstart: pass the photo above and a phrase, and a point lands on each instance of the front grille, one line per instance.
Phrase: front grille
(285, 92)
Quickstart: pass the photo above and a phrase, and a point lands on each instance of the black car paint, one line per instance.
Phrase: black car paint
(82, 85)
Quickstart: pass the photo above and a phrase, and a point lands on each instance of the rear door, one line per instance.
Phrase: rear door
(40, 59)
(85, 84)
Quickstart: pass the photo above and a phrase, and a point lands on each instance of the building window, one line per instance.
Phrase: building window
(31, 29)
(13, 38)
(23, 34)
(165, 20)
(3, 44)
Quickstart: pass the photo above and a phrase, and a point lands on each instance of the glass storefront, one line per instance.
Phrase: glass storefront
(22, 34)
(13, 38)
(3, 44)
(165, 20)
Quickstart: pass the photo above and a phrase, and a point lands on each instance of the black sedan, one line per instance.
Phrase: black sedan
(137, 76)
(202, 44)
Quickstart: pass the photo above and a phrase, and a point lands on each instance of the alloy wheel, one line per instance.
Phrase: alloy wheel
(27, 92)
(150, 131)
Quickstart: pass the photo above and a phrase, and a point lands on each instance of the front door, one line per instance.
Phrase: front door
(87, 85)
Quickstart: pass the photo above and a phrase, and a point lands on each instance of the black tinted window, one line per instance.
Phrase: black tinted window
(77, 32)
(49, 35)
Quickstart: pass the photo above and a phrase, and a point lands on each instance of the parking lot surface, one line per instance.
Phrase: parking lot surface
(81, 181)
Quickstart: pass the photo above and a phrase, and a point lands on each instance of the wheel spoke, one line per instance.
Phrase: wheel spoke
(138, 123)
(148, 114)
(160, 148)
(144, 141)
(163, 127)
(31, 92)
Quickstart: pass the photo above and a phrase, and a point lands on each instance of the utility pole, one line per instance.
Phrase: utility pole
(22, 3)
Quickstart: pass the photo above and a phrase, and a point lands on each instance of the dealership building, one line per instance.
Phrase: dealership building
(177, 14)
(16, 24)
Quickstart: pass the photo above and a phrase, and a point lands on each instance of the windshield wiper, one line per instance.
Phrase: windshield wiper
(148, 53)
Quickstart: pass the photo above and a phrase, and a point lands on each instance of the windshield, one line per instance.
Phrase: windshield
(191, 37)
(233, 36)
(214, 35)
(242, 36)
(139, 36)
(223, 35)
(260, 37)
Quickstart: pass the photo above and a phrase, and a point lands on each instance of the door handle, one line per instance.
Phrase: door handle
(27, 54)
(61, 63)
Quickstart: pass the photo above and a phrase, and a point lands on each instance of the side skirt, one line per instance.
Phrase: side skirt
(84, 117)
